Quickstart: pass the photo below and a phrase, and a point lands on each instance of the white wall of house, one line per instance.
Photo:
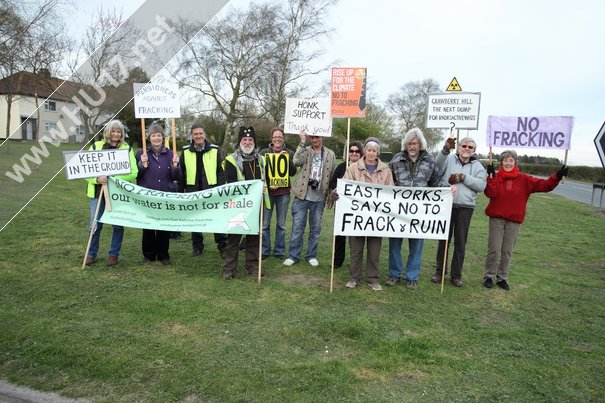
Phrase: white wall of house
(50, 113)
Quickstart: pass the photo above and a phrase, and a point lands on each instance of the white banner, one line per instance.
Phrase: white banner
(310, 114)
(365, 209)
(458, 108)
(156, 101)
(90, 164)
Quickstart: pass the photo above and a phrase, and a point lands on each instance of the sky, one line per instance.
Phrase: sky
(526, 58)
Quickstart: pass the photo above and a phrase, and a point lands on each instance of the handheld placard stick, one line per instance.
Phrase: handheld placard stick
(444, 265)
(491, 160)
(332, 267)
(144, 140)
(564, 163)
(260, 238)
(173, 130)
(94, 226)
(105, 192)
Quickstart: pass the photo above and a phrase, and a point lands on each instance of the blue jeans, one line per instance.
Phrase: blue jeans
(412, 268)
(116, 237)
(299, 222)
(279, 204)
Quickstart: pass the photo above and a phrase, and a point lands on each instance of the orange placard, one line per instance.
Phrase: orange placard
(348, 90)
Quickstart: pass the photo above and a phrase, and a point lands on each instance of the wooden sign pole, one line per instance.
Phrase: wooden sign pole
(144, 140)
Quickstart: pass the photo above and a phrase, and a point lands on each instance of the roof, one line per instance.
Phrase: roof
(40, 85)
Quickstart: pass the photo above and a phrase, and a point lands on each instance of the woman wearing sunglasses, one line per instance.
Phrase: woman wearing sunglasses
(355, 153)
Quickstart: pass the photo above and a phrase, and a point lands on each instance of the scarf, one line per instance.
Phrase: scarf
(240, 157)
(508, 174)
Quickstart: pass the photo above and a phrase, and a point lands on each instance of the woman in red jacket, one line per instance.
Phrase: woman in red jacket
(508, 192)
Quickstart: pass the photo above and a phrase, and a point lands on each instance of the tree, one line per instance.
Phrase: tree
(377, 123)
(300, 25)
(223, 62)
(408, 105)
(120, 102)
(245, 64)
(102, 42)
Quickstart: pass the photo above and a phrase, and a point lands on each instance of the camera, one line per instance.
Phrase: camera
(314, 183)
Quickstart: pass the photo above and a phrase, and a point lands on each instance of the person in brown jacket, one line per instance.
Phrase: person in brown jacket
(368, 169)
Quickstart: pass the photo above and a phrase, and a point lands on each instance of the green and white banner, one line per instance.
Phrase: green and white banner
(233, 208)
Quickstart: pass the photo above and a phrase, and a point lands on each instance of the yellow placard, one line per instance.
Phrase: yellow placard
(278, 169)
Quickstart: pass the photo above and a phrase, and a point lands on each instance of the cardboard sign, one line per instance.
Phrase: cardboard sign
(348, 90)
(310, 114)
(94, 163)
(392, 211)
(156, 101)
(458, 108)
(530, 132)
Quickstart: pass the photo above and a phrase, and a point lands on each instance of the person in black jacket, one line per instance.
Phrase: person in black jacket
(355, 154)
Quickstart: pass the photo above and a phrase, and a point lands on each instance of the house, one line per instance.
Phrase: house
(37, 103)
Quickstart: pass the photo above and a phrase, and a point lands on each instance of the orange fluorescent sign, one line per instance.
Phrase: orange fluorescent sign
(348, 89)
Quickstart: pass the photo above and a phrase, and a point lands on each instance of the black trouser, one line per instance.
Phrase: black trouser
(340, 246)
(459, 225)
(155, 244)
(197, 241)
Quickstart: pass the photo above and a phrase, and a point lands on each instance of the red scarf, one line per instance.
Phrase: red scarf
(513, 173)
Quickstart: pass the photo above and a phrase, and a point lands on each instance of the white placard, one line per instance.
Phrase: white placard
(459, 108)
(156, 101)
(365, 209)
(310, 114)
(90, 164)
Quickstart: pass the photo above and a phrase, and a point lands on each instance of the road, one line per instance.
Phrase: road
(578, 191)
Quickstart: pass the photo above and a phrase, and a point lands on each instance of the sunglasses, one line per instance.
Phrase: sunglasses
(466, 146)
(355, 151)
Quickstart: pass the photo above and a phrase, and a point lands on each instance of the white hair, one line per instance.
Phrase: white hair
(415, 133)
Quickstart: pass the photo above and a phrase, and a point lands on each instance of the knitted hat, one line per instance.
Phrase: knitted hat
(371, 139)
(246, 132)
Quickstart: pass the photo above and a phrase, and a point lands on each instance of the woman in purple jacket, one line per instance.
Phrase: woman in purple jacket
(161, 172)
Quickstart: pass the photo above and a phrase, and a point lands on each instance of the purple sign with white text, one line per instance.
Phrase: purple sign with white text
(530, 131)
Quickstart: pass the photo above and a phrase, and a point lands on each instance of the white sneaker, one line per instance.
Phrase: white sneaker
(313, 262)
(289, 262)
(375, 286)
(351, 284)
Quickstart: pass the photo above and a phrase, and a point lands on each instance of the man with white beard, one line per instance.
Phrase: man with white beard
(243, 164)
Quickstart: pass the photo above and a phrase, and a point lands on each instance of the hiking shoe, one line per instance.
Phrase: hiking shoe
(289, 262)
(375, 286)
(196, 252)
(90, 260)
(166, 262)
(314, 262)
(351, 284)
(412, 284)
(503, 284)
(436, 278)
(488, 283)
(112, 260)
(392, 281)
(457, 282)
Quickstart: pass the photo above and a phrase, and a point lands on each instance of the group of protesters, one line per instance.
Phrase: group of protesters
(313, 168)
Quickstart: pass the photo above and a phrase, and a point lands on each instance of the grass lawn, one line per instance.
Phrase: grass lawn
(181, 333)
